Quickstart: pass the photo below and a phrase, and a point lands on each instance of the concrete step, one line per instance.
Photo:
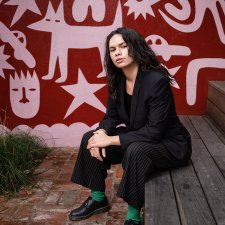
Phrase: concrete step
(216, 102)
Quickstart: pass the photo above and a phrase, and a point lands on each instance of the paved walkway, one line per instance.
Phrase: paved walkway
(51, 201)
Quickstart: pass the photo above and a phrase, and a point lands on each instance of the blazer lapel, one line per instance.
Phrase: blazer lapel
(121, 90)
(135, 95)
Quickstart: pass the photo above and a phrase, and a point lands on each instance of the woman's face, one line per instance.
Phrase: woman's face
(118, 49)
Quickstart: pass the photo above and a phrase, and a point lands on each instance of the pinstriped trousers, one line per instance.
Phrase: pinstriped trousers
(139, 161)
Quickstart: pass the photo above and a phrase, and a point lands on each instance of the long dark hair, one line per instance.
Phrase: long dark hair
(138, 49)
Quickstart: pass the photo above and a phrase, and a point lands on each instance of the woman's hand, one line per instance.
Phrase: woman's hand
(99, 140)
(95, 152)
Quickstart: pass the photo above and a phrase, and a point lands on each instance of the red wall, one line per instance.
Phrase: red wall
(66, 39)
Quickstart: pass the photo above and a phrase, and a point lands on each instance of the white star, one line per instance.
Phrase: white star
(23, 5)
(83, 93)
(3, 63)
(143, 7)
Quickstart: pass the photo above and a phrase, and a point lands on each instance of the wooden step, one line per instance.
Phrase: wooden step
(193, 194)
(216, 102)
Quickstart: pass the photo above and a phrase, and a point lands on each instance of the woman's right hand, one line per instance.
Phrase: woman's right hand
(95, 152)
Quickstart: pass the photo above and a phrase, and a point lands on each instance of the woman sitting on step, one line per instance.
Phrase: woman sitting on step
(151, 138)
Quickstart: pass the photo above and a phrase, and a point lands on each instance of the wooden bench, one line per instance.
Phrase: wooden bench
(194, 194)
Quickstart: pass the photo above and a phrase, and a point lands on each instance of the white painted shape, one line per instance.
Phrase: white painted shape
(25, 95)
(173, 71)
(161, 47)
(80, 9)
(182, 13)
(20, 50)
(83, 92)
(143, 7)
(58, 135)
(192, 74)
(200, 10)
(65, 36)
(22, 7)
(3, 62)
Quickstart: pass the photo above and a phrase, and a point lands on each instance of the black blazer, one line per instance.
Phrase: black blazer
(153, 116)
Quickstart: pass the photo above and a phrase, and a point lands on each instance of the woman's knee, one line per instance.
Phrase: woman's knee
(133, 150)
(86, 137)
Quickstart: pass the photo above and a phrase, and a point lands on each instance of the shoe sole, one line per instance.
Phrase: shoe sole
(97, 211)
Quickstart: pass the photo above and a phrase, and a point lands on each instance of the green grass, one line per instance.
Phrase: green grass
(20, 153)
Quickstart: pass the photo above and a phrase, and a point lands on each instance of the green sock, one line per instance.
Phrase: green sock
(133, 214)
(97, 195)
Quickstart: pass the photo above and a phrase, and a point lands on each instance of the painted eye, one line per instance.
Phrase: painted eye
(32, 89)
(158, 42)
(47, 19)
(57, 21)
(15, 89)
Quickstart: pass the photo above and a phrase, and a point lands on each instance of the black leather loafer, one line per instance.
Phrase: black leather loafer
(89, 208)
(131, 222)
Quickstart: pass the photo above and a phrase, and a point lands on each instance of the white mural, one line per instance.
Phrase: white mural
(200, 10)
(143, 7)
(192, 74)
(57, 134)
(65, 36)
(3, 62)
(161, 47)
(22, 7)
(80, 9)
(83, 92)
(17, 40)
(25, 95)
(24, 89)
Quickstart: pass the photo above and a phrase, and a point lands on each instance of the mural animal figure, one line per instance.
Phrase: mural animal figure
(65, 36)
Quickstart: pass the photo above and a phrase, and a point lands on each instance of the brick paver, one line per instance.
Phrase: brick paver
(54, 196)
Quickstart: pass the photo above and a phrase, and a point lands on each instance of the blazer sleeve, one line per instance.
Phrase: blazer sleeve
(111, 118)
(158, 104)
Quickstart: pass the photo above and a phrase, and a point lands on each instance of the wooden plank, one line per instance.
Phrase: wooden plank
(216, 114)
(220, 134)
(193, 207)
(216, 94)
(211, 179)
(187, 123)
(160, 205)
(214, 145)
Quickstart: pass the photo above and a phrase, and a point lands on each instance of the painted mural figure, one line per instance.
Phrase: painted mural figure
(140, 97)
(20, 50)
(25, 95)
(83, 93)
(193, 69)
(200, 10)
(65, 36)
(97, 9)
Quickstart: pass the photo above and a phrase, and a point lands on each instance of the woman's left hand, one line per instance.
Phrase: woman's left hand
(100, 140)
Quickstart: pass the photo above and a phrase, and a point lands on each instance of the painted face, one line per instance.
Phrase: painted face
(118, 49)
(25, 95)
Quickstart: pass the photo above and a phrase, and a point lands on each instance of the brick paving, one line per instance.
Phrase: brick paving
(54, 196)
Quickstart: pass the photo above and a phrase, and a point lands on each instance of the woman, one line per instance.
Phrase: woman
(140, 97)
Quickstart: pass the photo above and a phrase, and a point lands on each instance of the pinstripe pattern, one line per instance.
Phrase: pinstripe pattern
(139, 161)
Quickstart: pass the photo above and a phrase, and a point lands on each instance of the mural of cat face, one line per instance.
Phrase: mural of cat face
(25, 95)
